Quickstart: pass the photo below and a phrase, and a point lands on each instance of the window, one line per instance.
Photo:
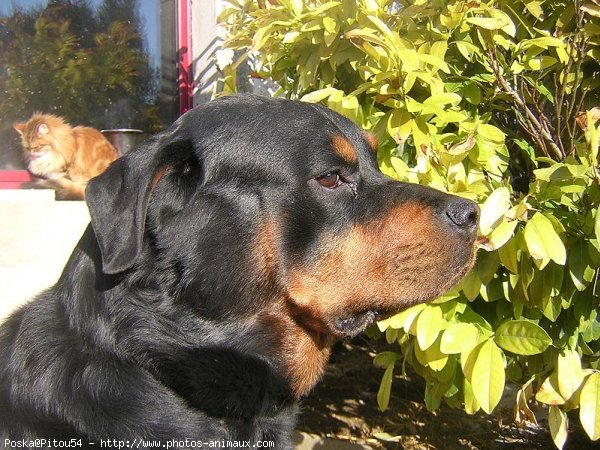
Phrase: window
(102, 63)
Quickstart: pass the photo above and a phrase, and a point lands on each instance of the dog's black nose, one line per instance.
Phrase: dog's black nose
(463, 213)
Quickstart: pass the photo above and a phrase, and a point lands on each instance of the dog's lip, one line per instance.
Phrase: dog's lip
(352, 325)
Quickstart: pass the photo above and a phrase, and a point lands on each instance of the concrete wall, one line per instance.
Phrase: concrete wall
(205, 42)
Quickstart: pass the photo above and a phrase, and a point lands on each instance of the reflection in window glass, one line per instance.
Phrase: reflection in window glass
(103, 63)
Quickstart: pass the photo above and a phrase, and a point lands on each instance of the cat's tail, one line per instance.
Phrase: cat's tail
(65, 188)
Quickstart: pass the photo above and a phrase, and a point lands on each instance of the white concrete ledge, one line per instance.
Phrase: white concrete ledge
(37, 236)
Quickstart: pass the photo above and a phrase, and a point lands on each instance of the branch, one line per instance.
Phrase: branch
(528, 114)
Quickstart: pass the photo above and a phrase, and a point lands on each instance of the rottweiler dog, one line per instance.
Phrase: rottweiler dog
(224, 258)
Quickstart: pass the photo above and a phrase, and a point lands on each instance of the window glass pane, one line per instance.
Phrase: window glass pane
(102, 63)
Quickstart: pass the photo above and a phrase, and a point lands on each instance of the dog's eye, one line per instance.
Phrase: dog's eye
(330, 180)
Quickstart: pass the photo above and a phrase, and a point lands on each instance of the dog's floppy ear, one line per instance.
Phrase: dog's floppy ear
(118, 198)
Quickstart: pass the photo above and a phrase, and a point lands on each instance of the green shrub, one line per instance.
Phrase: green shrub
(494, 101)
(83, 64)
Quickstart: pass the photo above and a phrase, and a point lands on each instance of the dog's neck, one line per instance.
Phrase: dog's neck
(302, 352)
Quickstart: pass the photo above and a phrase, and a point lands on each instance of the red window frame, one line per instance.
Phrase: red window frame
(184, 51)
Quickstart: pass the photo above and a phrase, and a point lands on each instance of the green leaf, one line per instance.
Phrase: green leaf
(432, 357)
(522, 337)
(542, 240)
(508, 256)
(597, 225)
(548, 391)
(493, 209)
(472, 93)
(319, 95)
(488, 377)
(468, 50)
(557, 421)
(540, 63)
(589, 406)
(297, 6)
(399, 124)
(385, 388)
(569, 373)
(535, 8)
(471, 285)
(429, 325)
(471, 405)
(491, 133)
(434, 61)
(403, 319)
(488, 23)
(392, 38)
(458, 337)
(446, 98)
(580, 269)
(501, 234)
(385, 359)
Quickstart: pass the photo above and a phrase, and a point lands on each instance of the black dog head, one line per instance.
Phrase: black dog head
(274, 212)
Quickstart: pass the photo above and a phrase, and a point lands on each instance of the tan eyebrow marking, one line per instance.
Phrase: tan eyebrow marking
(371, 140)
(344, 149)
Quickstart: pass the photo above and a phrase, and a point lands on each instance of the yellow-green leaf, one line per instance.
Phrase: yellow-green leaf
(297, 6)
(488, 377)
(434, 61)
(569, 373)
(580, 268)
(458, 337)
(471, 285)
(429, 325)
(542, 240)
(471, 405)
(385, 388)
(467, 49)
(589, 406)
(535, 8)
(548, 391)
(385, 359)
(493, 209)
(403, 319)
(491, 133)
(399, 124)
(557, 420)
(501, 234)
(446, 98)
(489, 23)
(597, 225)
(319, 95)
(522, 337)
(508, 256)
(432, 357)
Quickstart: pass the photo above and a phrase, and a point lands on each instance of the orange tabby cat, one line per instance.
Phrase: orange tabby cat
(65, 156)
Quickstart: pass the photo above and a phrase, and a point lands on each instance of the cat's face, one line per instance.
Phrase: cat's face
(41, 149)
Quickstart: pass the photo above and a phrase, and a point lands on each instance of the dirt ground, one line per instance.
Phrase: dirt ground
(344, 406)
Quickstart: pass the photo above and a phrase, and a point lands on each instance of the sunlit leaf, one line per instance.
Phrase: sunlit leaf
(458, 337)
(589, 406)
(557, 420)
(429, 325)
(569, 373)
(522, 337)
(542, 241)
(493, 209)
(385, 388)
(548, 391)
(487, 378)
